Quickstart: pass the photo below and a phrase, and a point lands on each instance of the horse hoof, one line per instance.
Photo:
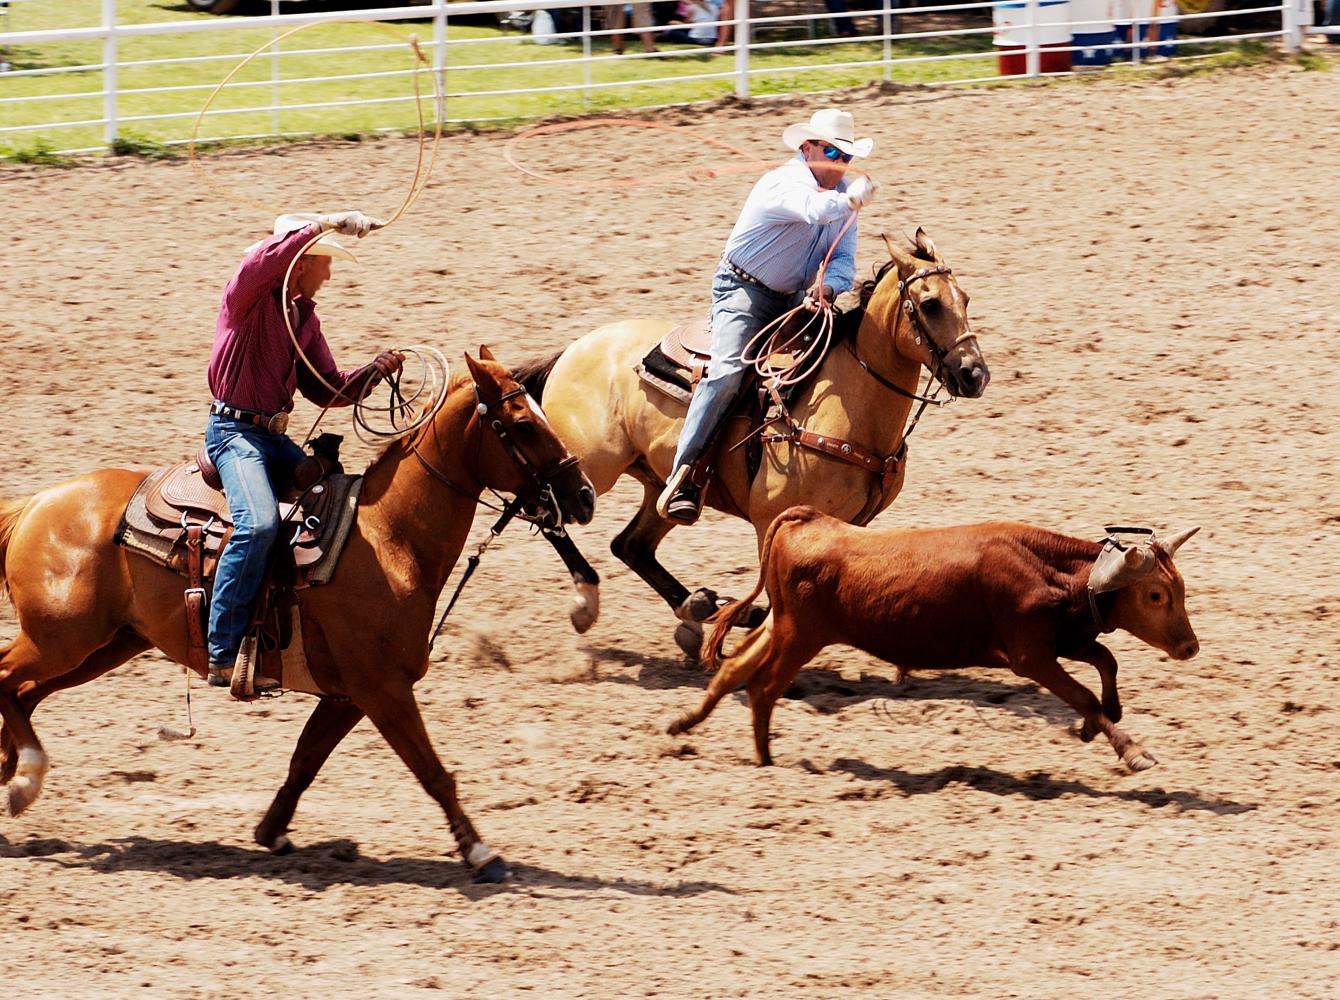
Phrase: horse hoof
(689, 638)
(1140, 760)
(494, 872)
(755, 617)
(701, 605)
(584, 608)
(281, 846)
(680, 725)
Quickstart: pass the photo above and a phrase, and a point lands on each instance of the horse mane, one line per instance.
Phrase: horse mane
(456, 380)
(850, 321)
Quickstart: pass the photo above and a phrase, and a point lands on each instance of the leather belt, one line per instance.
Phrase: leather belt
(275, 423)
(745, 276)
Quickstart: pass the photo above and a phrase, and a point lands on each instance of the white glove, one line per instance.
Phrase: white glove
(861, 192)
(350, 223)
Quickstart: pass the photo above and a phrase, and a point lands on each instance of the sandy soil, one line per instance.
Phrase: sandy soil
(1149, 269)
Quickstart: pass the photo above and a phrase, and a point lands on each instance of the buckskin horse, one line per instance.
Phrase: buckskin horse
(843, 449)
(86, 605)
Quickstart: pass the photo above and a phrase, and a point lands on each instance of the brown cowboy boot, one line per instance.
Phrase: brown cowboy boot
(242, 678)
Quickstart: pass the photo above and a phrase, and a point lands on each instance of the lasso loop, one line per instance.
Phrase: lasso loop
(436, 369)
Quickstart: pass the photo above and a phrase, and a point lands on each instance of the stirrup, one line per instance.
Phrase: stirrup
(247, 684)
(671, 488)
(678, 503)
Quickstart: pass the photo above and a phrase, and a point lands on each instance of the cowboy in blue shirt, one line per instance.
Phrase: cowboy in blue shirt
(787, 225)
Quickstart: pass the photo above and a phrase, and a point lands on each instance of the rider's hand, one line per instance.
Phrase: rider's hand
(817, 298)
(387, 363)
(350, 223)
(861, 191)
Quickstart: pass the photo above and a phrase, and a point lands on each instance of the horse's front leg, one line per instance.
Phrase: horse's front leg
(329, 724)
(393, 710)
(585, 606)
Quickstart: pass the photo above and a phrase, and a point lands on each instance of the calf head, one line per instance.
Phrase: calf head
(1150, 594)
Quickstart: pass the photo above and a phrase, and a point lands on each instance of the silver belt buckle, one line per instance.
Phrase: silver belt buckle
(277, 424)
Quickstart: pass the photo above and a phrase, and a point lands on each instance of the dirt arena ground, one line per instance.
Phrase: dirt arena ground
(1150, 265)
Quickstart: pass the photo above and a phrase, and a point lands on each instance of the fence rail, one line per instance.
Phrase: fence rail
(489, 73)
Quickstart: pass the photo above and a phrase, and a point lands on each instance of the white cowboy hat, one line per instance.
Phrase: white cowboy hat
(324, 247)
(832, 126)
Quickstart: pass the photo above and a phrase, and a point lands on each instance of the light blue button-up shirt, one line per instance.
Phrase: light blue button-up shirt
(786, 227)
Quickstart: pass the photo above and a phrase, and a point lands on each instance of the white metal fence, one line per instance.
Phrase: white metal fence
(486, 74)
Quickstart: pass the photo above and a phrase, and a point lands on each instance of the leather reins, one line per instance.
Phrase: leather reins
(541, 481)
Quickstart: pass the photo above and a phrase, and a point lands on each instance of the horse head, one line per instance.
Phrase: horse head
(520, 452)
(931, 320)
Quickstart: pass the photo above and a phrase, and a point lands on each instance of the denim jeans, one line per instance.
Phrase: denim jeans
(249, 459)
(739, 310)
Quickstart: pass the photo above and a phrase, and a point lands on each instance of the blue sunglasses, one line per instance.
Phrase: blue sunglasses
(833, 153)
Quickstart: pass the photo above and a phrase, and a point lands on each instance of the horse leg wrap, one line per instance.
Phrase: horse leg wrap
(27, 782)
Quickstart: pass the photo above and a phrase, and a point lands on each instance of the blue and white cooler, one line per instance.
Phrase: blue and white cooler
(1050, 29)
(1092, 40)
(1158, 23)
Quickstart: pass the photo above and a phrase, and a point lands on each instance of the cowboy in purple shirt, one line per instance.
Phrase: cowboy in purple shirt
(253, 374)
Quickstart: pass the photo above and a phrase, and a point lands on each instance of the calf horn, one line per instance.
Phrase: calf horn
(1116, 568)
(1171, 545)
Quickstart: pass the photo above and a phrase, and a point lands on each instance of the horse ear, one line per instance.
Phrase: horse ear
(485, 353)
(924, 244)
(484, 379)
(894, 252)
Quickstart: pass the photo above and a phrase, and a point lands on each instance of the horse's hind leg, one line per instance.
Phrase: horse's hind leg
(124, 645)
(395, 713)
(635, 546)
(326, 727)
(31, 760)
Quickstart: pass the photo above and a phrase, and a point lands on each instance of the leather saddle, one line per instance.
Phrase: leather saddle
(191, 492)
(179, 518)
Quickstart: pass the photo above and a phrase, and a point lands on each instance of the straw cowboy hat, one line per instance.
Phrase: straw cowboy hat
(830, 125)
(324, 247)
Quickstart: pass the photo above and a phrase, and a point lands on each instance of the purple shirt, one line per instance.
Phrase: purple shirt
(253, 365)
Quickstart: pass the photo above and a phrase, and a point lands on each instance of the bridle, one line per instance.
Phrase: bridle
(939, 355)
(539, 499)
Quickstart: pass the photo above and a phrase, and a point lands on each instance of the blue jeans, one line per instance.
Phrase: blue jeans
(248, 459)
(739, 310)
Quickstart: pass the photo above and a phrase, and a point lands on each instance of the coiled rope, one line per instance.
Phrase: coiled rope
(436, 370)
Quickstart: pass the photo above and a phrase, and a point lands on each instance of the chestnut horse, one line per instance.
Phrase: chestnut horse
(86, 605)
(913, 315)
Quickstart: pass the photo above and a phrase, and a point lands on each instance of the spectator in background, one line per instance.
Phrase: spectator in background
(1331, 19)
(616, 18)
(727, 13)
(693, 23)
(843, 27)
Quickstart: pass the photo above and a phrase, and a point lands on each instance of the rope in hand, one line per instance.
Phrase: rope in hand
(436, 370)
(767, 343)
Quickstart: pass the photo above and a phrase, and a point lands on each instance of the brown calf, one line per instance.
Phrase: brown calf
(983, 595)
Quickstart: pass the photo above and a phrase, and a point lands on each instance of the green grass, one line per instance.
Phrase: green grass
(505, 61)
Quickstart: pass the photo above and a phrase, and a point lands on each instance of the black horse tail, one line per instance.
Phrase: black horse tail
(534, 374)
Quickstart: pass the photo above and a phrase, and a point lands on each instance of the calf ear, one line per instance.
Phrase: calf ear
(1171, 545)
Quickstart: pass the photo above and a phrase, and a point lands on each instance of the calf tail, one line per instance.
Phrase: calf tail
(725, 619)
(10, 513)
